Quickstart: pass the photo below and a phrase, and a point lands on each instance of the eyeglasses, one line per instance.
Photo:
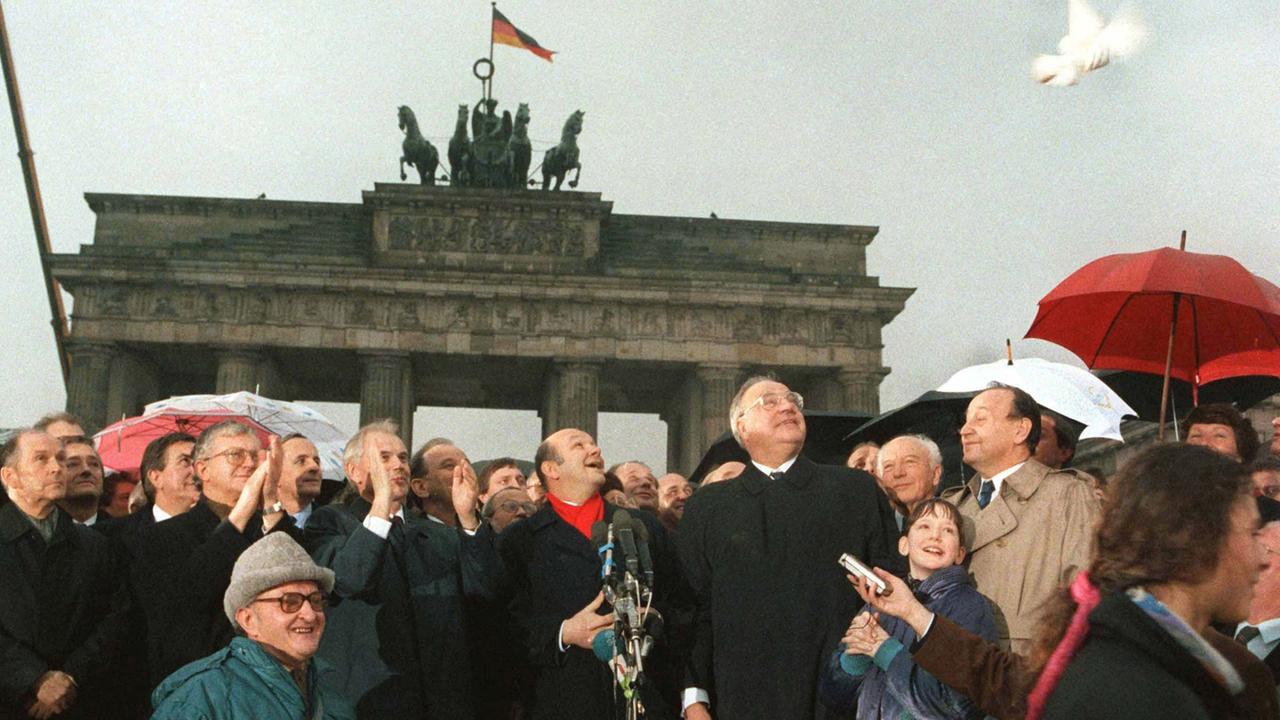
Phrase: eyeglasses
(514, 505)
(772, 401)
(235, 456)
(291, 602)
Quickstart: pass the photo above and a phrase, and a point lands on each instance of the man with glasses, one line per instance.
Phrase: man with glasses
(761, 551)
(507, 506)
(184, 564)
(1266, 478)
(276, 602)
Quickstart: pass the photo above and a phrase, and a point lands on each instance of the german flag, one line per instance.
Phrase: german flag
(507, 34)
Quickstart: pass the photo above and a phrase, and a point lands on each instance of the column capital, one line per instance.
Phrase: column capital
(861, 374)
(563, 365)
(89, 348)
(246, 353)
(710, 372)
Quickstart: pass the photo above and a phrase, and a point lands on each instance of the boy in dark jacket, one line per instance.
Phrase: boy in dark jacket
(871, 669)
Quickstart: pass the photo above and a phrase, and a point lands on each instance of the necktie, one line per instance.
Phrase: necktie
(985, 492)
(776, 475)
(1247, 633)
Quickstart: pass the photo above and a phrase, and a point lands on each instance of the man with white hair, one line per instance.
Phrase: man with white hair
(396, 631)
(760, 555)
(909, 468)
(276, 603)
(61, 613)
(185, 563)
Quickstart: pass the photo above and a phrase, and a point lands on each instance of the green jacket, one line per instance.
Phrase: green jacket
(243, 681)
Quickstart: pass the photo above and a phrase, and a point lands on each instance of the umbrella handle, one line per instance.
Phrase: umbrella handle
(1168, 364)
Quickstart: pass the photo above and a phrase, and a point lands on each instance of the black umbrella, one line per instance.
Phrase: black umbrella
(936, 415)
(1142, 391)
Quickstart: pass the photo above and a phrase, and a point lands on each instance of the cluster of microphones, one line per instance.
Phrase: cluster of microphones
(626, 573)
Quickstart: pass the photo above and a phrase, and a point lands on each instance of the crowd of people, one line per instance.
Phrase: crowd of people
(224, 581)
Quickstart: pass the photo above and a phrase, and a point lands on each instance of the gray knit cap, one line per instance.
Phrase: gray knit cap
(274, 560)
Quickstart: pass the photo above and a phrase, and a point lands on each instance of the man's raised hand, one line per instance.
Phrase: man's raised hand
(465, 493)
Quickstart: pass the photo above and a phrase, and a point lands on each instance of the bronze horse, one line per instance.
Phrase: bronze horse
(418, 152)
(521, 150)
(459, 150)
(562, 158)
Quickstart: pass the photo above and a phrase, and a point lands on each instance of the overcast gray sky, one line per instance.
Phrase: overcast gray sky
(920, 118)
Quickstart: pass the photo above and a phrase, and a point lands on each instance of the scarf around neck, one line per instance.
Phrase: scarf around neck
(1214, 663)
(581, 517)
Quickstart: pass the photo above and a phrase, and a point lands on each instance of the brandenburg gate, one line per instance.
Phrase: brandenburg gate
(475, 297)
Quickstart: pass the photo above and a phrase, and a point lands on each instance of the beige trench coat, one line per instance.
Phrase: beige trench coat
(1029, 540)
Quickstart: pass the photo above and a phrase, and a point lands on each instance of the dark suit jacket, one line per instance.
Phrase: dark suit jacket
(554, 572)
(395, 632)
(1272, 661)
(761, 557)
(181, 572)
(61, 608)
(131, 524)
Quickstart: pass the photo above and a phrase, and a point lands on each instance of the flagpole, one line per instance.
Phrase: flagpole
(492, 17)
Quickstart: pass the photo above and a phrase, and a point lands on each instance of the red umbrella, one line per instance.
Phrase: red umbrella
(1190, 316)
(121, 445)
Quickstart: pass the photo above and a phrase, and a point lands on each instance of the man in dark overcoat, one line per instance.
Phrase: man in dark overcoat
(554, 571)
(396, 635)
(184, 563)
(760, 553)
(61, 605)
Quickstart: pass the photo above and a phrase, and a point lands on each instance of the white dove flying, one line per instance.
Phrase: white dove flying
(1089, 44)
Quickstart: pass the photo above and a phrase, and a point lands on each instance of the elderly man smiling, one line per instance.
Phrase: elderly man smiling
(908, 468)
(276, 603)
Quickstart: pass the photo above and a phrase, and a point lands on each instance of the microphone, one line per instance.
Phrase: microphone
(602, 539)
(603, 645)
(624, 532)
(646, 559)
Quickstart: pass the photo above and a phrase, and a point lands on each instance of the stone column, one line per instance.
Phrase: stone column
(706, 410)
(861, 389)
(572, 397)
(678, 416)
(90, 383)
(715, 385)
(386, 390)
(248, 369)
(825, 393)
(135, 381)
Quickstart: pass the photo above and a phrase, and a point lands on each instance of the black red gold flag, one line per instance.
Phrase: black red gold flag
(507, 34)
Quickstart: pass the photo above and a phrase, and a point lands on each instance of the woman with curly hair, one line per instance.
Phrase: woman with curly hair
(1131, 637)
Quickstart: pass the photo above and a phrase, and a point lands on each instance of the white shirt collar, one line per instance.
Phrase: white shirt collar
(300, 518)
(158, 514)
(1268, 630)
(781, 468)
(93, 519)
(999, 477)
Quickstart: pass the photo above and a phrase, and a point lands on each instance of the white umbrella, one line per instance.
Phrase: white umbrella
(1071, 391)
(277, 416)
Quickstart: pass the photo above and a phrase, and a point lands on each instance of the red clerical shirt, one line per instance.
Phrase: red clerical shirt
(581, 516)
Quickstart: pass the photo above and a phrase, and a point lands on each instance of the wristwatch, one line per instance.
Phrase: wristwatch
(273, 509)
